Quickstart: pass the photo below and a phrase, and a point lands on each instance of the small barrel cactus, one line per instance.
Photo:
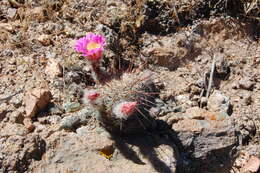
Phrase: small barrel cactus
(123, 104)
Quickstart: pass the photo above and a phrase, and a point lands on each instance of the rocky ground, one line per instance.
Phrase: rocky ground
(204, 57)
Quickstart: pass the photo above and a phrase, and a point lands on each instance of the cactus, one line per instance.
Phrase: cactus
(122, 104)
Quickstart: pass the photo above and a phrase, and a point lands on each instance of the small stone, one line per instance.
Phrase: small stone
(11, 12)
(222, 65)
(252, 165)
(36, 100)
(39, 127)
(28, 124)
(71, 106)
(56, 110)
(182, 98)
(246, 84)
(17, 116)
(50, 55)
(86, 113)
(69, 122)
(53, 68)
(17, 101)
(218, 102)
(54, 119)
(44, 39)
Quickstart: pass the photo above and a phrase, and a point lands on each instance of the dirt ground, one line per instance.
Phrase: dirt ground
(184, 44)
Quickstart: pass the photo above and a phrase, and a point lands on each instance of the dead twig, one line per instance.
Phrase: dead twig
(211, 77)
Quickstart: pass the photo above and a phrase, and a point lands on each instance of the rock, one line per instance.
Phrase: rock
(167, 51)
(17, 100)
(56, 110)
(86, 150)
(222, 65)
(17, 116)
(86, 113)
(53, 68)
(44, 39)
(182, 98)
(80, 117)
(39, 127)
(246, 84)
(206, 137)
(97, 140)
(53, 119)
(18, 152)
(51, 55)
(71, 106)
(28, 124)
(113, 12)
(36, 100)
(69, 122)
(10, 129)
(251, 166)
(218, 102)
(11, 12)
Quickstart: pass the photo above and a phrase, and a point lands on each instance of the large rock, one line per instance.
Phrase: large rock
(10, 129)
(96, 151)
(18, 152)
(36, 100)
(207, 138)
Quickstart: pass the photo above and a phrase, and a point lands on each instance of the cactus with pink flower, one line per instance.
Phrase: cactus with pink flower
(122, 104)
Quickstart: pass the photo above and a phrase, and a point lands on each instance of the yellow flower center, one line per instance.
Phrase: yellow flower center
(93, 45)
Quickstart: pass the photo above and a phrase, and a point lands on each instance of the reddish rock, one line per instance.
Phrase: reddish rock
(36, 100)
(252, 165)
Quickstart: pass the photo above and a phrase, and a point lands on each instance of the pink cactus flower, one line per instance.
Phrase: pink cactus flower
(124, 109)
(91, 46)
(90, 96)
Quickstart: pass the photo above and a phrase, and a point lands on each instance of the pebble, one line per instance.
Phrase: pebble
(246, 84)
(44, 39)
(71, 106)
(53, 68)
(11, 12)
(69, 122)
(218, 102)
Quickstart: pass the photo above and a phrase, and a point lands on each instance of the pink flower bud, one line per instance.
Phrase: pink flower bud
(128, 108)
(124, 109)
(90, 96)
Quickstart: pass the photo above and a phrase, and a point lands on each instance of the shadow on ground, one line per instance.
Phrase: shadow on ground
(165, 152)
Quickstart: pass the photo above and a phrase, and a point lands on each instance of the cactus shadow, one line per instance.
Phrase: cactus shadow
(153, 146)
